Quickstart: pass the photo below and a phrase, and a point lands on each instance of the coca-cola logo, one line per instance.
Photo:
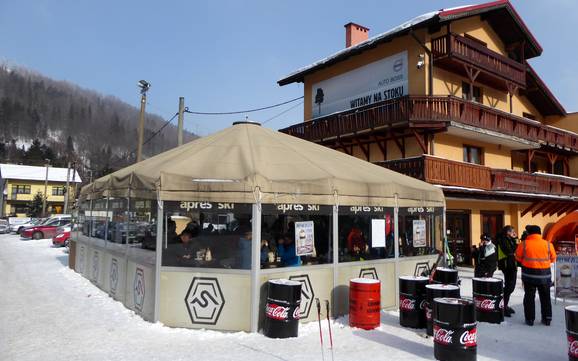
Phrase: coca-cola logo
(485, 304)
(443, 336)
(280, 313)
(406, 304)
(277, 312)
(469, 338)
(423, 305)
(501, 305)
(572, 346)
(427, 313)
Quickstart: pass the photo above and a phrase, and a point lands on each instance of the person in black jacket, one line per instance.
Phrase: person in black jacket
(507, 242)
(487, 258)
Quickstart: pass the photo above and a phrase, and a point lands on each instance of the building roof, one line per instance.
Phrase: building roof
(34, 173)
(500, 14)
(246, 163)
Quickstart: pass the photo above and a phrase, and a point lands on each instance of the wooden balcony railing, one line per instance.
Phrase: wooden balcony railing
(430, 111)
(451, 173)
(473, 53)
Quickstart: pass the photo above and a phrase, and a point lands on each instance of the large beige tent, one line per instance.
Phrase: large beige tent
(246, 163)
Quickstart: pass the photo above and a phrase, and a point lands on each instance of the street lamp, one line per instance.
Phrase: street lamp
(45, 188)
(144, 87)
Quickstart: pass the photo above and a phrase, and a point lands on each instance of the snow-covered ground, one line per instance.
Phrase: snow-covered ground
(48, 312)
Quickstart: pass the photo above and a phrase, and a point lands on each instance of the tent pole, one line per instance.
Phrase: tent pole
(335, 250)
(255, 266)
(396, 248)
(158, 256)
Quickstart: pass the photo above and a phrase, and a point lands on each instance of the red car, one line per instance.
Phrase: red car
(62, 236)
(46, 229)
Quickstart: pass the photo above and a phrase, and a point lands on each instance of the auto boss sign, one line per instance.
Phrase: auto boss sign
(381, 80)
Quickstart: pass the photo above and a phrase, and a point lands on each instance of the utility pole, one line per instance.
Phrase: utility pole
(180, 127)
(144, 87)
(66, 190)
(45, 190)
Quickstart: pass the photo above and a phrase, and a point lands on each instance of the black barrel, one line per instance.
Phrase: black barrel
(445, 276)
(282, 309)
(455, 331)
(572, 331)
(437, 291)
(412, 301)
(489, 299)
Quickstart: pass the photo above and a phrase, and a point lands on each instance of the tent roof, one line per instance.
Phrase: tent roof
(246, 162)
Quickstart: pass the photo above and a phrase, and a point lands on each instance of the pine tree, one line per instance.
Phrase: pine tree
(35, 207)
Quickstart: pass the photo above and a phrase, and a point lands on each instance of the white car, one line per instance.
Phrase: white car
(4, 226)
(17, 227)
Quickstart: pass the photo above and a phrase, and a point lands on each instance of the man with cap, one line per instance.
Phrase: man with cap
(487, 258)
(535, 255)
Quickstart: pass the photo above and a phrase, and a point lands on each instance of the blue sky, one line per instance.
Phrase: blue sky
(228, 55)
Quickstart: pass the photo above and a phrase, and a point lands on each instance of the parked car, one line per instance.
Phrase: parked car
(46, 229)
(16, 222)
(4, 226)
(62, 236)
(18, 227)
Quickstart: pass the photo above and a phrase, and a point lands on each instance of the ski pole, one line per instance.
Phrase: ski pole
(319, 323)
(329, 327)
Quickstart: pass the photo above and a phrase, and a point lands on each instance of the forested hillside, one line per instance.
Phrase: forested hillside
(68, 123)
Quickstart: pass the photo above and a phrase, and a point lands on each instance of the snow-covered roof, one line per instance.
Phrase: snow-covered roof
(441, 15)
(34, 173)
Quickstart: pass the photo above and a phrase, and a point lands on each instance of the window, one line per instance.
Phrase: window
(142, 225)
(420, 231)
(559, 167)
(296, 234)
(84, 218)
(58, 190)
(20, 189)
(118, 223)
(477, 96)
(365, 233)
(21, 209)
(474, 155)
(529, 116)
(208, 235)
(98, 218)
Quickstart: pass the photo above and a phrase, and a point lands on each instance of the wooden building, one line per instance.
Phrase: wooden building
(450, 98)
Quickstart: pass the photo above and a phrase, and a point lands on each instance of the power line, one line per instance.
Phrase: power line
(283, 112)
(160, 129)
(243, 111)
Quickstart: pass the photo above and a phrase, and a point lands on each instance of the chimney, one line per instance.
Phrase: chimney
(355, 34)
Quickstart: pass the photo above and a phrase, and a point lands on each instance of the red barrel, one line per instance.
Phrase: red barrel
(364, 303)
(412, 301)
(455, 330)
(445, 276)
(572, 331)
(437, 291)
(488, 297)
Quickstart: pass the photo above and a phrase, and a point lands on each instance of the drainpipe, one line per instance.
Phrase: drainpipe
(430, 63)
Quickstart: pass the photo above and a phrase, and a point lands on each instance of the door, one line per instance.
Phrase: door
(492, 223)
(459, 240)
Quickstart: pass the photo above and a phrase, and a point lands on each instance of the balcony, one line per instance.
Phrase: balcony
(453, 51)
(433, 113)
(451, 173)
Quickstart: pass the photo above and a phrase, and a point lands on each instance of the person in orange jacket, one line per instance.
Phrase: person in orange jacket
(535, 255)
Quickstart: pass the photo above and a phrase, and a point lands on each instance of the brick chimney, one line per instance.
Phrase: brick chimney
(355, 34)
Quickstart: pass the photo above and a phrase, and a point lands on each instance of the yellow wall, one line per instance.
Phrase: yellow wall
(451, 147)
(417, 77)
(35, 187)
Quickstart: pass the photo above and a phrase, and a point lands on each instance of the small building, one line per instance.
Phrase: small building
(20, 183)
(450, 98)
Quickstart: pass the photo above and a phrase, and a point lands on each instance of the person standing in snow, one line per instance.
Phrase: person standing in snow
(536, 255)
(507, 242)
(487, 258)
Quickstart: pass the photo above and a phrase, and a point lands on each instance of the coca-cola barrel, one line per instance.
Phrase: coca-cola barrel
(282, 309)
(412, 301)
(436, 291)
(364, 303)
(489, 299)
(454, 329)
(572, 332)
(445, 276)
